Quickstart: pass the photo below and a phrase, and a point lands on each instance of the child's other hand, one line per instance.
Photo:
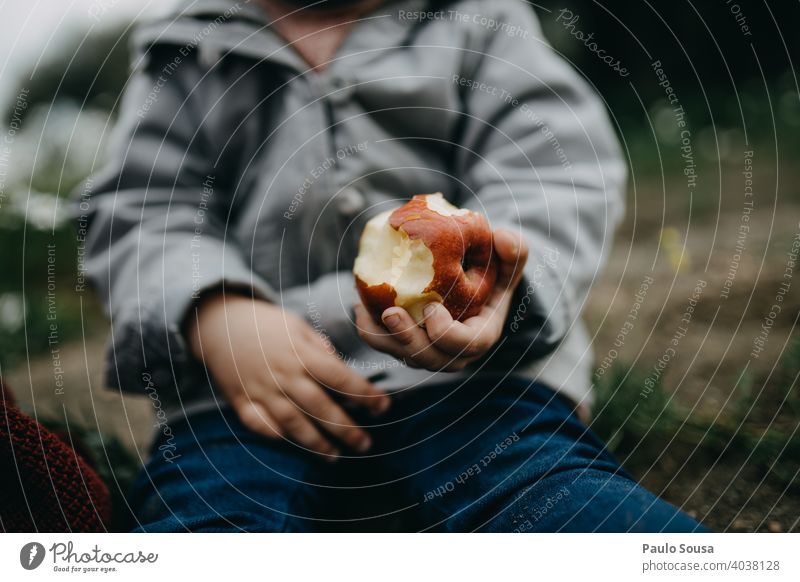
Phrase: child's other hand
(274, 370)
(445, 344)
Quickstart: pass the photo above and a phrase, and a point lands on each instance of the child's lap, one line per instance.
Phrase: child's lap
(465, 457)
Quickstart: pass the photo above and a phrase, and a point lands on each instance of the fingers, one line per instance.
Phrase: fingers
(299, 428)
(512, 250)
(456, 338)
(410, 343)
(475, 336)
(290, 416)
(256, 418)
(313, 401)
(378, 337)
(372, 333)
(330, 371)
(412, 340)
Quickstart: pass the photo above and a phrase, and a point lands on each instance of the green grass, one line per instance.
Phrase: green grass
(760, 423)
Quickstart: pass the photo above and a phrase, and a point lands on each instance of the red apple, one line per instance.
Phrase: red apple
(427, 250)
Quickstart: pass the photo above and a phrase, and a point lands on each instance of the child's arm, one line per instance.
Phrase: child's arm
(538, 156)
(543, 161)
(158, 240)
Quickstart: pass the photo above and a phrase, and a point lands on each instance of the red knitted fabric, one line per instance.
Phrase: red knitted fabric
(44, 484)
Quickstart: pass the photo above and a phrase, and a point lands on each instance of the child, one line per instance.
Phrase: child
(254, 142)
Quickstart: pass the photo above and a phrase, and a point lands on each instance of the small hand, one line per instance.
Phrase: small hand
(278, 374)
(445, 344)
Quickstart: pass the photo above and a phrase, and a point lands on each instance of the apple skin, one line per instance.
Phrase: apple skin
(464, 265)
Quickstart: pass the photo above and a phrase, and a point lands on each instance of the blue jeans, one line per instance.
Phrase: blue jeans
(481, 456)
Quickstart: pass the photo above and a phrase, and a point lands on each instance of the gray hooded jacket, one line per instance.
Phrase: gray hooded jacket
(235, 166)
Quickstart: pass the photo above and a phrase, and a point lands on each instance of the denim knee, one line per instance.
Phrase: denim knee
(589, 500)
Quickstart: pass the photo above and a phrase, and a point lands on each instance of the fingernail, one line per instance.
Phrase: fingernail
(392, 321)
(364, 445)
(333, 456)
(430, 308)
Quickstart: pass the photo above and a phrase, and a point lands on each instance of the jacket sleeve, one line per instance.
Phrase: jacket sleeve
(327, 304)
(537, 155)
(156, 236)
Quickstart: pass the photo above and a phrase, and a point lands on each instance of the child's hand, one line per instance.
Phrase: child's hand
(272, 366)
(446, 344)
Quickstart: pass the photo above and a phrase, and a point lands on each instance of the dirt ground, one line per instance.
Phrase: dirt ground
(85, 402)
(714, 359)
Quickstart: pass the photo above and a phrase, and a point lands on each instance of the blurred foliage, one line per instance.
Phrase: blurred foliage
(55, 149)
(24, 309)
(737, 87)
(90, 71)
(714, 66)
(60, 133)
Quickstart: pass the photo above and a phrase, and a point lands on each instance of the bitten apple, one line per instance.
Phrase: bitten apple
(427, 250)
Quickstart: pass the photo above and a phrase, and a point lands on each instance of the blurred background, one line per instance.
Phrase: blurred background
(705, 409)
